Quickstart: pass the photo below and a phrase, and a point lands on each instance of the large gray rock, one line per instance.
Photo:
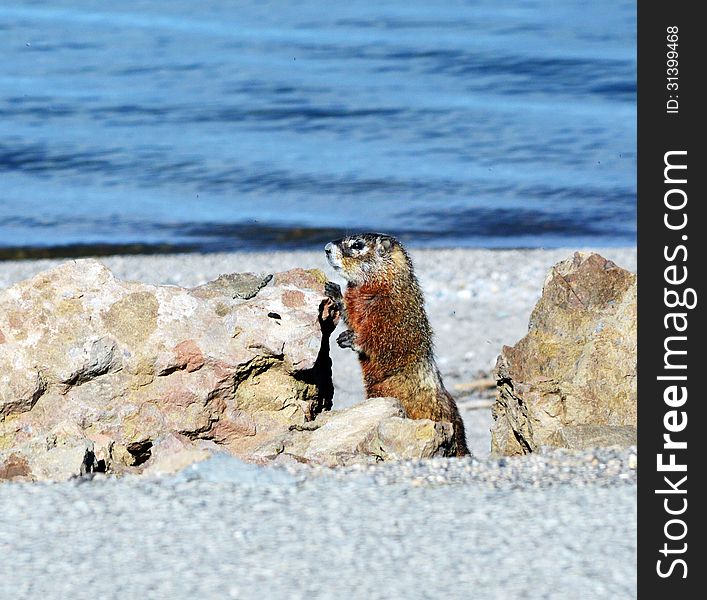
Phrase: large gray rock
(571, 381)
(97, 373)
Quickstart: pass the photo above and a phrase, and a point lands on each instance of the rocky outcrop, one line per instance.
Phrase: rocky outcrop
(98, 374)
(571, 381)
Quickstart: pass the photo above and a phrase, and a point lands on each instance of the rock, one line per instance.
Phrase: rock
(571, 381)
(595, 436)
(102, 374)
(174, 453)
(371, 431)
(235, 285)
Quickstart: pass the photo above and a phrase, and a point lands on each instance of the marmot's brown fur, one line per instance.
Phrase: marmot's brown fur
(388, 328)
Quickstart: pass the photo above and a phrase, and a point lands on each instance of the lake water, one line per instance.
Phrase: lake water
(226, 125)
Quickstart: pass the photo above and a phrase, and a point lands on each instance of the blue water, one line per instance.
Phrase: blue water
(225, 125)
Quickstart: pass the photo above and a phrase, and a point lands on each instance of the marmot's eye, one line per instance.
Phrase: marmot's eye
(357, 245)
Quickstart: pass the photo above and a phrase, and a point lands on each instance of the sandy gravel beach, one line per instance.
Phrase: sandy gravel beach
(551, 525)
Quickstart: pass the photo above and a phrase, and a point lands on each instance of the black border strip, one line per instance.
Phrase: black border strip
(661, 264)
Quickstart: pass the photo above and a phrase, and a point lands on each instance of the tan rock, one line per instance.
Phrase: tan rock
(111, 369)
(571, 381)
(172, 454)
(579, 437)
(370, 431)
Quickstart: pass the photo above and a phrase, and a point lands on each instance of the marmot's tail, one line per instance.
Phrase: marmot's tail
(460, 449)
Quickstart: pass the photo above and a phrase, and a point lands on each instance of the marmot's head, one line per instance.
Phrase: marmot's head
(367, 256)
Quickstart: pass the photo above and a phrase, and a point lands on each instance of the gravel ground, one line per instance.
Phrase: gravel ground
(477, 300)
(552, 525)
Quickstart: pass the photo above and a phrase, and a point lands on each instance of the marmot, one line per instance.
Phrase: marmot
(388, 328)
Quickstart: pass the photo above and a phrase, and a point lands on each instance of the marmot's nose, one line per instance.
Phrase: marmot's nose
(328, 248)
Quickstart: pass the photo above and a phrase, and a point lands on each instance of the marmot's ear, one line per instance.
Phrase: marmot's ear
(386, 244)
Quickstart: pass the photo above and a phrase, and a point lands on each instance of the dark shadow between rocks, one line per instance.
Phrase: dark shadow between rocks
(320, 375)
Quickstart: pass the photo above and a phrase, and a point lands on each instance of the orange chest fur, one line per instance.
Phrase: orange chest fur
(366, 308)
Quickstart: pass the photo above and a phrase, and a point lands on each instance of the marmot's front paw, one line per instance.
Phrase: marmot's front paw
(333, 290)
(329, 315)
(346, 339)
